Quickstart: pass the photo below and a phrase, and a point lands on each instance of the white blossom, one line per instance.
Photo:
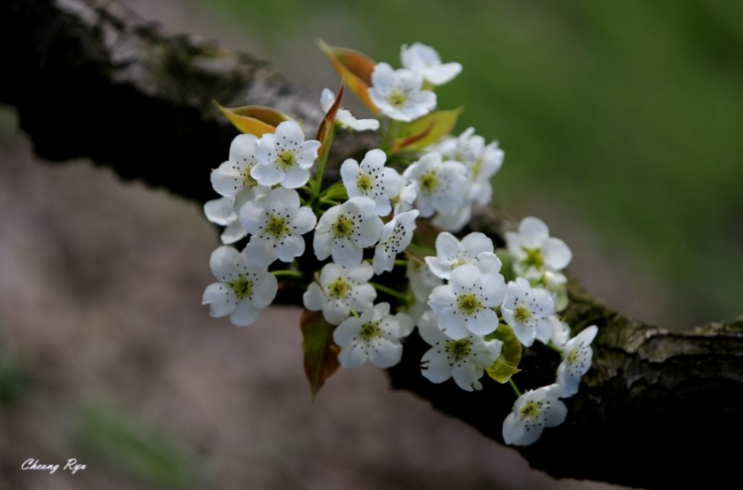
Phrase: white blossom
(396, 236)
(221, 212)
(560, 331)
(276, 224)
(232, 178)
(556, 283)
(404, 197)
(455, 220)
(345, 230)
(451, 253)
(339, 290)
(422, 280)
(465, 305)
(576, 362)
(441, 186)
(426, 61)
(482, 162)
(344, 117)
(374, 335)
(527, 310)
(398, 93)
(243, 290)
(284, 157)
(533, 248)
(372, 179)
(532, 412)
(464, 359)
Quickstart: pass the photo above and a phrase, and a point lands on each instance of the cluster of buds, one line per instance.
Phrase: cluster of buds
(386, 227)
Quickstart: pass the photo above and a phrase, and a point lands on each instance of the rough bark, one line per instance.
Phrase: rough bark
(89, 80)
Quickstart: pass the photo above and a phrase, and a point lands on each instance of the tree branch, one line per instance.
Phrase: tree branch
(657, 410)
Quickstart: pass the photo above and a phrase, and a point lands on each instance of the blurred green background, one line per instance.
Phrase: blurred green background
(623, 116)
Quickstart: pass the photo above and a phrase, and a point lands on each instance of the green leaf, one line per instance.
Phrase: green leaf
(320, 352)
(426, 131)
(510, 356)
(507, 260)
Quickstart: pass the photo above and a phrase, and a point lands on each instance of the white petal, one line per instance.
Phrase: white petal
(335, 312)
(441, 74)
(289, 132)
(557, 255)
(233, 233)
(435, 367)
(364, 297)
(382, 262)
(290, 247)
(382, 77)
(533, 232)
(260, 251)
(476, 243)
(349, 174)
(543, 331)
(428, 327)
(242, 148)
(493, 289)
(347, 331)
(245, 314)
(313, 298)
(323, 245)
(251, 216)
(453, 323)
(303, 221)
(265, 290)
(486, 322)
(352, 356)
(513, 429)
(223, 263)
(441, 297)
(346, 253)
(226, 180)
(385, 353)
(360, 274)
(268, 174)
(327, 99)
(220, 298)
(295, 177)
(466, 376)
(219, 211)
(447, 246)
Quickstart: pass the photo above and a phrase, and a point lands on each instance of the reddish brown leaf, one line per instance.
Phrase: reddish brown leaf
(320, 352)
(253, 119)
(355, 68)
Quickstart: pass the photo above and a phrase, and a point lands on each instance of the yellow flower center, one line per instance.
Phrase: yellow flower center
(338, 289)
(469, 304)
(276, 226)
(459, 349)
(248, 180)
(364, 183)
(572, 356)
(243, 288)
(429, 181)
(534, 257)
(286, 159)
(522, 313)
(477, 168)
(370, 331)
(342, 228)
(531, 409)
(397, 98)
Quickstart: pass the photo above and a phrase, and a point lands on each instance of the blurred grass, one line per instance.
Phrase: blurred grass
(626, 114)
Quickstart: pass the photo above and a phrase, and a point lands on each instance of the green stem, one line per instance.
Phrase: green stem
(390, 291)
(324, 152)
(329, 201)
(514, 387)
(287, 273)
(555, 348)
(401, 263)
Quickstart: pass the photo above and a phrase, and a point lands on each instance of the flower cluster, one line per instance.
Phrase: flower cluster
(375, 251)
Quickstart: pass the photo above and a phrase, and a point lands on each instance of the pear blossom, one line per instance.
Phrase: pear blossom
(243, 290)
(371, 179)
(345, 230)
(451, 253)
(339, 290)
(426, 61)
(482, 162)
(404, 196)
(396, 236)
(556, 283)
(465, 305)
(464, 359)
(441, 186)
(534, 249)
(284, 157)
(455, 220)
(527, 310)
(398, 93)
(344, 117)
(532, 412)
(221, 212)
(577, 357)
(232, 178)
(560, 332)
(422, 280)
(374, 335)
(276, 224)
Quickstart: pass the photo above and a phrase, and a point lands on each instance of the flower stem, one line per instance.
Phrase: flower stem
(390, 291)
(287, 273)
(555, 348)
(514, 387)
(401, 263)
